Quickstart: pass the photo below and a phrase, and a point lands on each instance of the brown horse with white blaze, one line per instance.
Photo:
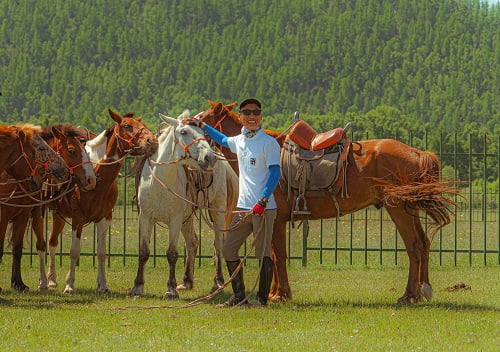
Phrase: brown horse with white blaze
(380, 172)
(128, 136)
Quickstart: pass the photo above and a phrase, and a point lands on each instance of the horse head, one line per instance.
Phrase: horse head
(190, 143)
(74, 154)
(28, 156)
(133, 137)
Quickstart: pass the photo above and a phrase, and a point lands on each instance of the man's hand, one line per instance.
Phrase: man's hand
(260, 206)
(194, 122)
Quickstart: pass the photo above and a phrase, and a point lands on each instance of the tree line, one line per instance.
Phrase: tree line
(392, 66)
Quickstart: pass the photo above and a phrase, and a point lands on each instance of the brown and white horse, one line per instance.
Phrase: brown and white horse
(25, 155)
(410, 185)
(128, 136)
(162, 196)
(64, 139)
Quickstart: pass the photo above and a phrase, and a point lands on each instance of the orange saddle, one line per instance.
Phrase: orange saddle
(306, 137)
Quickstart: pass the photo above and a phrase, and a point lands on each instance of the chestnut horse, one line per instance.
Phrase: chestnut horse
(25, 155)
(64, 139)
(380, 172)
(128, 136)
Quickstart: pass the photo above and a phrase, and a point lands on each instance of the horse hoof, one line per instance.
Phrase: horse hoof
(69, 290)
(52, 284)
(21, 287)
(426, 291)
(43, 287)
(171, 295)
(106, 291)
(135, 292)
(215, 287)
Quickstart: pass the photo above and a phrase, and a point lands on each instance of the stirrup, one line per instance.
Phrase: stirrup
(297, 211)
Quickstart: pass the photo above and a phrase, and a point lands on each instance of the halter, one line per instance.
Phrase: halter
(23, 154)
(128, 141)
(186, 147)
(72, 168)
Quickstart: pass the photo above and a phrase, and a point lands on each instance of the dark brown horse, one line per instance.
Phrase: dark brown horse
(16, 208)
(25, 155)
(380, 172)
(128, 136)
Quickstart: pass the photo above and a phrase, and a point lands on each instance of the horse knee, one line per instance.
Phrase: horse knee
(172, 256)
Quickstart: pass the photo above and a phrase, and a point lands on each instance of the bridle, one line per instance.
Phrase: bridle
(33, 170)
(129, 141)
(72, 168)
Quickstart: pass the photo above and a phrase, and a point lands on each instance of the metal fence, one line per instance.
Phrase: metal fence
(367, 237)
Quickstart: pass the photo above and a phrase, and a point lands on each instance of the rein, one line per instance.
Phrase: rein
(38, 202)
(208, 297)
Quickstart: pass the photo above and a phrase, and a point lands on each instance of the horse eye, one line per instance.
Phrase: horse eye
(183, 132)
(127, 127)
(71, 151)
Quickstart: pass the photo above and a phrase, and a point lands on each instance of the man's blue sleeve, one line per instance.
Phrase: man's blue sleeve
(272, 181)
(218, 137)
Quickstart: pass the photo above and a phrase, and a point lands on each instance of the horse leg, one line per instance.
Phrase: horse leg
(172, 256)
(219, 223)
(280, 290)
(191, 247)
(145, 228)
(414, 248)
(426, 288)
(41, 245)
(74, 255)
(57, 228)
(4, 222)
(18, 228)
(102, 229)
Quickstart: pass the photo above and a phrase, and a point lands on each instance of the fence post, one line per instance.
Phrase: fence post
(305, 232)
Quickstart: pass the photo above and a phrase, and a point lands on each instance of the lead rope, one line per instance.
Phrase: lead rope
(203, 299)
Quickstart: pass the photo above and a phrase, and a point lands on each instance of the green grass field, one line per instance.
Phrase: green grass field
(334, 308)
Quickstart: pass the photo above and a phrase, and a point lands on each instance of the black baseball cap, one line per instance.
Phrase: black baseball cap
(250, 101)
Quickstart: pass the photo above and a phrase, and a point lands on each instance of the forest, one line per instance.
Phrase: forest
(392, 67)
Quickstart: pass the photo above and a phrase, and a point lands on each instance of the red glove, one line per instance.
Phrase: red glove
(260, 206)
(258, 209)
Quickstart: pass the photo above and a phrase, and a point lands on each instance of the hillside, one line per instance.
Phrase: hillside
(435, 64)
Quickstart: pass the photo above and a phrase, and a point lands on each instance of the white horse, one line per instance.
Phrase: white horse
(217, 191)
(161, 177)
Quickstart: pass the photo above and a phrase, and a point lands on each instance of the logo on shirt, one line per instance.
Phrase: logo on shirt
(253, 161)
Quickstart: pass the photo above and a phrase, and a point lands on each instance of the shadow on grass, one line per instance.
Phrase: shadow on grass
(320, 304)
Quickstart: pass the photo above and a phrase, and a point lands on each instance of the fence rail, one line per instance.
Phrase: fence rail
(367, 237)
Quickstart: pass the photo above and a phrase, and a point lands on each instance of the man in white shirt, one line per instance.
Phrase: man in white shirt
(259, 172)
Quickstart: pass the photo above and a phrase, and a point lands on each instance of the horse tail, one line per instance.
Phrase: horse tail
(422, 191)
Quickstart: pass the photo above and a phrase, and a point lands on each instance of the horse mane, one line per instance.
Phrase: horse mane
(9, 133)
(67, 129)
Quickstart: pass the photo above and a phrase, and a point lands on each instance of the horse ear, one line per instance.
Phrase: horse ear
(218, 108)
(139, 119)
(212, 103)
(56, 132)
(117, 118)
(231, 106)
(169, 120)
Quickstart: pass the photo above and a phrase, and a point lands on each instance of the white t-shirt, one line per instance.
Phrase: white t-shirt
(255, 155)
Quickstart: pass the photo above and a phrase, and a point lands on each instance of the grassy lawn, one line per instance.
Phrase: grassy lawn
(334, 308)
